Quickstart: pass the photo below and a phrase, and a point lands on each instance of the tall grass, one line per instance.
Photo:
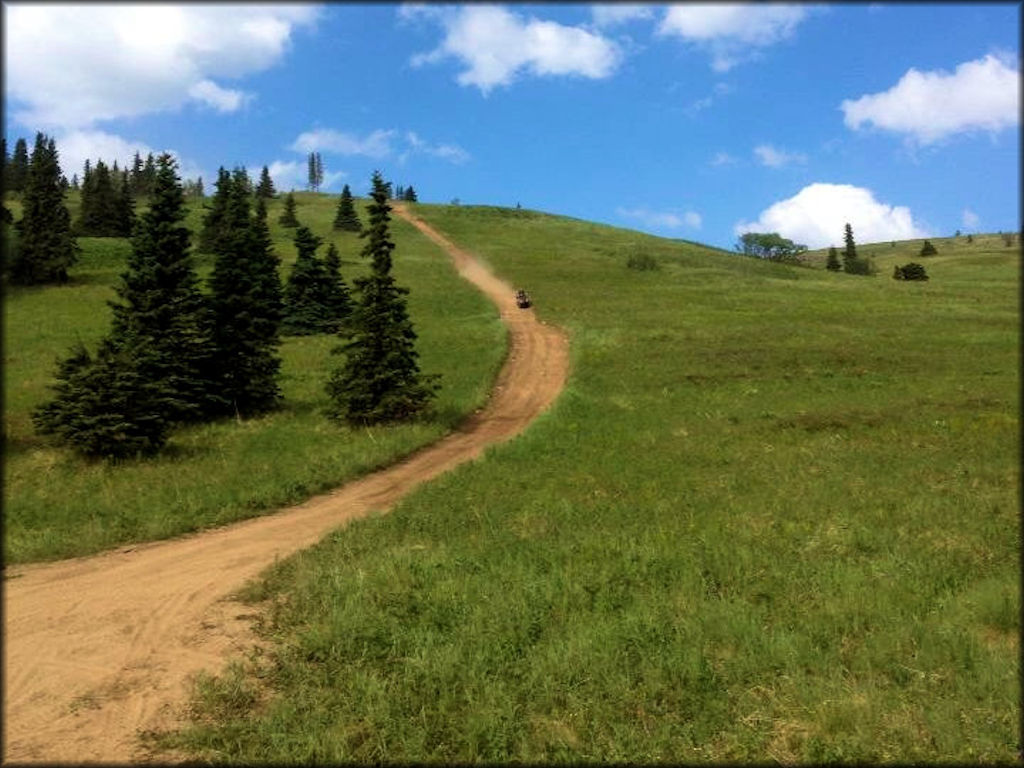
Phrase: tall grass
(57, 504)
(772, 518)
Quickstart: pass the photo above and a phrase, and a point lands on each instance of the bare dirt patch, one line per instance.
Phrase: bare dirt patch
(101, 648)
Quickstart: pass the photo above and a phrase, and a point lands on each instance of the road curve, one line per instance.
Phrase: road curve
(100, 648)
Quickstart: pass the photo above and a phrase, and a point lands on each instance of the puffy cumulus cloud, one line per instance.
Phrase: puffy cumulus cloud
(619, 13)
(971, 219)
(929, 106)
(662, 219)
(818, 213)
(731, 32)
(70, 66)
(777, 158)
(376, 144)
(75, 147)
(496, 45)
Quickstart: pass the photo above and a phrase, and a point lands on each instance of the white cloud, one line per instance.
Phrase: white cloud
(970, 219)
(221, 99)
(731, 32)
(662, 219)
(723, 158)
(289, 175)
(71, 66)
(496, 46)
(450, 152)
(75, 147)
(619, 13)
(777, 158)
(929, 106)
(376, 144)
(818, 213)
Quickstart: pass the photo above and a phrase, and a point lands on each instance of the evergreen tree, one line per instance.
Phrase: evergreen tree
(46, 247)
(200, 193)
(74, 182)
(214, 221)
(265, 188)
(337, 301)
(151, 369)
(17, 173)
(850, 251)
(5, 166)
(125, 208)
(410, 195)
(379, 380)
(245, 323)
(288, 217)
(306, 289)
(400, 192)
(148, 175)
(100, 214)
(833, 260)
(319, 171)
(135, 178)
(346, 217)
(927, 249)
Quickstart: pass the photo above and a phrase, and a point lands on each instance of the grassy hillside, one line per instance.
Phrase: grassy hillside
(58, 505)
(772, 518)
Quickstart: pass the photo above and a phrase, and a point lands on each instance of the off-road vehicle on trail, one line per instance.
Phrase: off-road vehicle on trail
(522, 299)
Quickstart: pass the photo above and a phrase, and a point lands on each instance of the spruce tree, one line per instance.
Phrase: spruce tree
(288, 217)
(265, 188)
(74, 182)
(245, 325)
(337, 300)
(850, 250)
(214, 221)
(17, 173)
(346, 217)
(832, 263)
(927, 249)
(410, 195)
(379, 379)
(148, 175)
(46, 247)
(135, 179)
(304, 293)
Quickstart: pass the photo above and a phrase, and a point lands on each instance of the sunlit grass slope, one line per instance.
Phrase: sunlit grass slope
(57, 504)
(773, 518)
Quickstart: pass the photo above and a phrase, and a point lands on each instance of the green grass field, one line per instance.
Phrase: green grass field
(57, 504)
(773, 517)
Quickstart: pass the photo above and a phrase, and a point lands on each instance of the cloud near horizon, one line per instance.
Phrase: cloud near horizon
(817, 215)
(72, 66)
(981, 95)
(662, 219)
(497, 46)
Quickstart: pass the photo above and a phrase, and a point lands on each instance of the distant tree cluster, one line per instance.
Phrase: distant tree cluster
(15, 169)
(911, 271)
(769, 245)
(408, 194)
(107, 208)
(316, 298)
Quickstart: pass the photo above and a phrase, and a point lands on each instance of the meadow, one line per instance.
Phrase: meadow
(58, 504)
(773, 517)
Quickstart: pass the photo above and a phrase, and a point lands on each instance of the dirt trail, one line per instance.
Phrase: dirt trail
(100, 648)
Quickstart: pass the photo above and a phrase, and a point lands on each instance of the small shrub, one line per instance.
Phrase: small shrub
(970, 238)
(927, 249)
(641, 261)
(912, 271)
(1007, 238)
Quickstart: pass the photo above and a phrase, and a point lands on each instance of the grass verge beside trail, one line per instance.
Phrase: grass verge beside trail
(57, 504)
(773, 518)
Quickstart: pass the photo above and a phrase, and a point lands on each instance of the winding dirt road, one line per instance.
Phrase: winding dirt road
(98, 649)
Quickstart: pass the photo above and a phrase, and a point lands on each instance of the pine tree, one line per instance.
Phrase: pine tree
(311, 171)
(46, 247)
(833, 260)
(265, 188)
(17, 173)
(152, 368)
(288, 217)
(306, 289)
(74, 182)
(148, 175)
(319, 171)
(135, 178)
(409, 195)
(346, 217)
(101, 214)
(337, 300)
(216, 214)
(6, 165)
(379, 380)
(400, 192)
(927, 249)
(245, 325)
(850, 251)
(125, 208)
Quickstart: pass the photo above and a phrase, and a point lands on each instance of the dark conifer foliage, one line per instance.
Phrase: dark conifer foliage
(148, 176)
(215, 219)
(265, 188)
(927, 249)
(832, 263)
(246, 324)
(46, 248)
(850, 249)
(409, 194)
(346, 217)
(135, 179)
(288, 217)
(17, 172)
(379, 380)
(306, 289)
(338, 300)
(107, 207)
(315, 171)
(5, 166)
(152, 369)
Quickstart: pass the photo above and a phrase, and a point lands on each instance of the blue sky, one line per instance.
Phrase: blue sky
(683, 120)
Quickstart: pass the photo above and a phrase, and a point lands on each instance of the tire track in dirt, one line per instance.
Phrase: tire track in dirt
(100, 648)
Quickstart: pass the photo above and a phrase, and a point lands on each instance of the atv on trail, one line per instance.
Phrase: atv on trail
(522, 299)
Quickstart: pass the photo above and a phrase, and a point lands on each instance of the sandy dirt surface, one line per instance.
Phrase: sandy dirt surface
(99, 649)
